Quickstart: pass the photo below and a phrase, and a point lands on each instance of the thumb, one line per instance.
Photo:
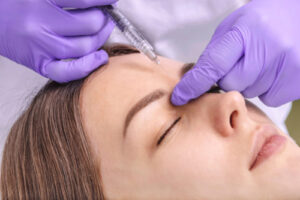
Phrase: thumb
(218, 58)
(65, 71)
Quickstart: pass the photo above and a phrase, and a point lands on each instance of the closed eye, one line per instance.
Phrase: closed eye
(167, 131)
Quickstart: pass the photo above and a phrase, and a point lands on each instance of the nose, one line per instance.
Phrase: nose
(230, 113)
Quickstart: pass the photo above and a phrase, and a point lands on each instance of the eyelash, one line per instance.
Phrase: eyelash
(213, 89)
(167, 131)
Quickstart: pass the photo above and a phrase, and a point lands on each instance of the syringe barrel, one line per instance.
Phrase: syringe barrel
(130, 32)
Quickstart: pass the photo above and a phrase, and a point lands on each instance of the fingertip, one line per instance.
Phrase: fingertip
(92, 62)
(102, 56)
(177, 100)
(192, 85)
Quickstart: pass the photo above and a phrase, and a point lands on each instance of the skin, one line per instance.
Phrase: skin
(206, 155)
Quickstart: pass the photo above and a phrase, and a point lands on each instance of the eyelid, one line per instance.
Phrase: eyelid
(167, 131)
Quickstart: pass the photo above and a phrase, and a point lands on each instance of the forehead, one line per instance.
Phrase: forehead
(110, 92)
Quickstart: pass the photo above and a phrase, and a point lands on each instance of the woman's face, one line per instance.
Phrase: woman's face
(210, 145)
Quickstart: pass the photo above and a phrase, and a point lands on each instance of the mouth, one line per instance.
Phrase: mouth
(267, 142)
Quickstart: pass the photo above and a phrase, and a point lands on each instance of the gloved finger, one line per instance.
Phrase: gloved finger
(262, 83)
(241, 76)
(285, 80)
(218, 58)
(65, 71)
(74, 47)
(79, 22)
(227, 24)
(275, 98)
(82, 3)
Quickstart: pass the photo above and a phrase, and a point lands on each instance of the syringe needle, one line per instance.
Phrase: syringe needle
(156, 61)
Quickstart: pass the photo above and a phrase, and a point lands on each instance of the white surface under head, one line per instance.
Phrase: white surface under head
(17, 87)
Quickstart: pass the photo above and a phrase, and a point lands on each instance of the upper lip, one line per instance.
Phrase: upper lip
(261, 136)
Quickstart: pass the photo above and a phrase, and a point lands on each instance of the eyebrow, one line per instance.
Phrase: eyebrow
(145, 101)
(148, 99)
(186, 67)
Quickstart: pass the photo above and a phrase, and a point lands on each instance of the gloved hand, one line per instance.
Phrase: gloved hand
(256, 50)
(38, 34)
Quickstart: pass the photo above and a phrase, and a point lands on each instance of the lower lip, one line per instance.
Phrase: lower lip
(271, 146)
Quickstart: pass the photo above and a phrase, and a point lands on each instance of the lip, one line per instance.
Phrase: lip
(266, 143)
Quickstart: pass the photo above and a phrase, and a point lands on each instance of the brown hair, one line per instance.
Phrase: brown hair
(47, 154)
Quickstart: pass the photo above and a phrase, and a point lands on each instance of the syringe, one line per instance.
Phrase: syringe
(133, 35)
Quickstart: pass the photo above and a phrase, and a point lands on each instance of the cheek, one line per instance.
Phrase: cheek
(194, 160)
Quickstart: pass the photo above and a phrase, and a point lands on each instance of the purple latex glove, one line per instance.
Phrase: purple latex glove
(38, 34)
(256, 50)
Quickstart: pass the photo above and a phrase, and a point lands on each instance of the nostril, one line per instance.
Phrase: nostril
(232, 118)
